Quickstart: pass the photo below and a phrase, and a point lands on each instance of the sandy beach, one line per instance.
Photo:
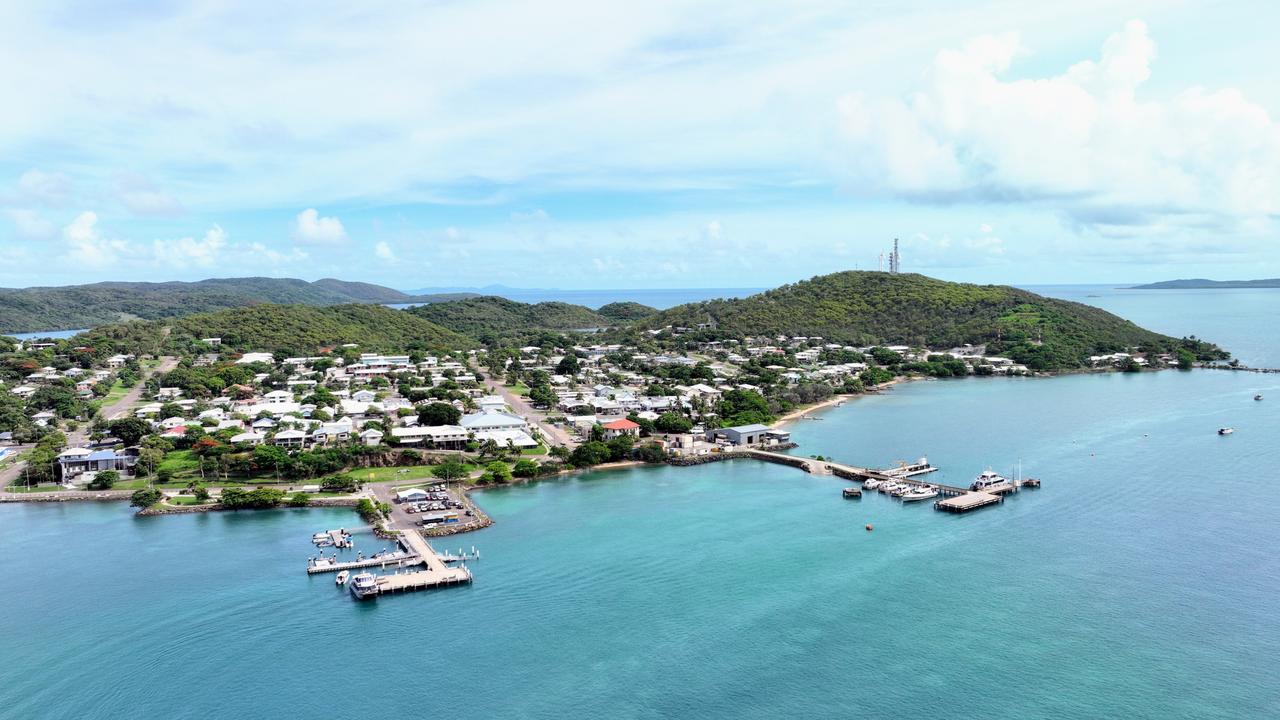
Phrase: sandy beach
(830, 402)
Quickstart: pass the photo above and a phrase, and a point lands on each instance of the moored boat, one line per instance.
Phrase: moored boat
(870, 484)
(364, 586)
(342, 577)
(923, 492)
(986, 479)
(852, 492)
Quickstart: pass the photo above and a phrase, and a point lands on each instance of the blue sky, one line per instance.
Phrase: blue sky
(588, 145)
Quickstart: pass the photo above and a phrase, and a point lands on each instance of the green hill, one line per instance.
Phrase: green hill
(866, 308)
(625, 311)
(76, 306)
(294, 329)
(492, 317)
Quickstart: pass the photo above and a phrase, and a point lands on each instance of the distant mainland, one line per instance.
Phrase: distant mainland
(1203, 284)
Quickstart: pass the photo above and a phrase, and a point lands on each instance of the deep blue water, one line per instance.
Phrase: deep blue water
(1140, 582)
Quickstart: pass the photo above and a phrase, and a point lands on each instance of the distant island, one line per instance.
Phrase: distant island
(1203, 284)
(39, 309)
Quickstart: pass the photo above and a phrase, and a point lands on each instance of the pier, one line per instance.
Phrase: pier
(955, 499)
(968, 501)
(418, 565)
(322, 565)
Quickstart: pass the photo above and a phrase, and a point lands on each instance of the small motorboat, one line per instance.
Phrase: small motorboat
(1258, 396)
(1225, 431)
(342, 577)
(870, 484)
(319, 538)
(921, 493)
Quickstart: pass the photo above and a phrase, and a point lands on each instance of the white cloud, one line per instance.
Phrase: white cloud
(383, 252)
(30, 224)
(48, 188)
(310, 228)
(87, 245)
(1083, 139)
(184, 252)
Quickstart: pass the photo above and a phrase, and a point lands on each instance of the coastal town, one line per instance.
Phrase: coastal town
(224, 428)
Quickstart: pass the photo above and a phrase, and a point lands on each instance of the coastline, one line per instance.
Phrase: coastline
(837, 400)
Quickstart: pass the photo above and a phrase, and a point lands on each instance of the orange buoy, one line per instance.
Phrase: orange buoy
(868, 527)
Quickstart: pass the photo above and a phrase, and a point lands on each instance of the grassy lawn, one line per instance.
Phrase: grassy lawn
(117, 392)
(185, 500)
(415, 473)
(519, 389)
(34, 488)
(180, 461)
(540, 450)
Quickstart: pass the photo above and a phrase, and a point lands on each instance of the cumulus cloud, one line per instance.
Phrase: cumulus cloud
(1084, 139)
(383, 252)
(310, 228)
(183, 252)
(30, 224)
(87, 245)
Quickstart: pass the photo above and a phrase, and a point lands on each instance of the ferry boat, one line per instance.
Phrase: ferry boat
(1225, 431)
(923, 492)
(364, 586)
(988, 478)
(342, 577)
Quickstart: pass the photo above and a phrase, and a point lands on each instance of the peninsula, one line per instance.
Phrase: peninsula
(1203, 284)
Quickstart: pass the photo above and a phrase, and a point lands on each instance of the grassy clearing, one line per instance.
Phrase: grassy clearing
(412, 474)
(186, 500)
(117, 393)
(540, 450)
(519, 389)
(180, 461)
(34, 488)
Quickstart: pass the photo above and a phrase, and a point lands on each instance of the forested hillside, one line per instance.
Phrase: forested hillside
(866, 308)
(292, 329)
(489, 318)
(76, 306)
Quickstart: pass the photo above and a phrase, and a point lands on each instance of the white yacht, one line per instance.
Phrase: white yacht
(364, 586)
(870, 484)
(1225, 431)
(988, 478)
(923, 492)
(342, 577)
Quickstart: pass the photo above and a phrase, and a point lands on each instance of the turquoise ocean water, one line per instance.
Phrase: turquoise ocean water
(1140, 582)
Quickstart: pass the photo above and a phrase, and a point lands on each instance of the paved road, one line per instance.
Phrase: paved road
(81, 437)
(118, 407)
(521, 405)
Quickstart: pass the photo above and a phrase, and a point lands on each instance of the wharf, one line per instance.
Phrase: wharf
(328, 566)
(968, 501)
(422, 580)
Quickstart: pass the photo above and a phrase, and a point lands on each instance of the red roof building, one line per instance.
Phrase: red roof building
(622, 426)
